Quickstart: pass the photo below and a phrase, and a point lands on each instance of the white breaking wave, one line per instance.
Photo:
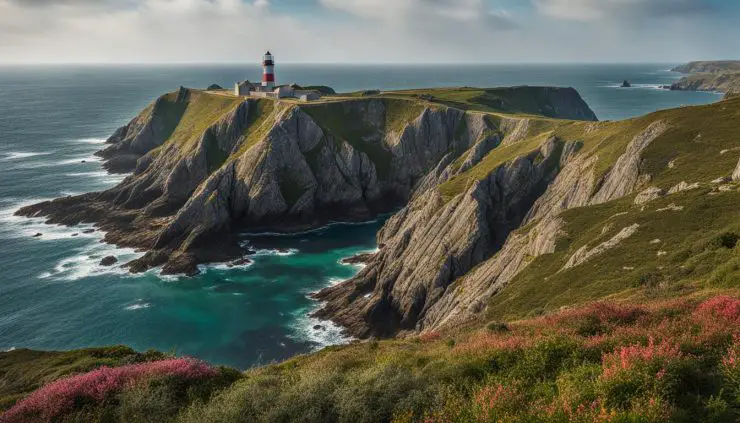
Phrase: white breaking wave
(137, 306)
(15, 155)
(322, 333)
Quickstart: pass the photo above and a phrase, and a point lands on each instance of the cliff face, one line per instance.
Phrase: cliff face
(446, 256)
(726, 82)
(205, 164)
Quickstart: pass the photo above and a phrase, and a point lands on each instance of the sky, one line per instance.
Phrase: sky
(368, 31)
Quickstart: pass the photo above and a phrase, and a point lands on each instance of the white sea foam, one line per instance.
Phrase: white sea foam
(327, 334)
(86, 262)
(274, 252)
(16, 155)
(137, 306)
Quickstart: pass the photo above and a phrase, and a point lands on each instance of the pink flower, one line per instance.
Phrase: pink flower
(58, 397)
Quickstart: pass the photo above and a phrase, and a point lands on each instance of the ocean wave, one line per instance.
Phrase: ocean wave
(275, 252)
(321, 333)
(658, 87)
(15, 155)
(86, 263)
(137, 306)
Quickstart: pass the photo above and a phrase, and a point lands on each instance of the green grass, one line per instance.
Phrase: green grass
(201, 111)
(692, 259)
(260, 120)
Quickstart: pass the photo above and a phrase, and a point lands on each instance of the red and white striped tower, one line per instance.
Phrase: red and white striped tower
(268, 72)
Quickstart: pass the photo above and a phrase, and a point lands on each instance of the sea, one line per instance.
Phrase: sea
(54, 294)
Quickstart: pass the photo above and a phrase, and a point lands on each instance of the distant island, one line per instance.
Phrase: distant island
(720, 76)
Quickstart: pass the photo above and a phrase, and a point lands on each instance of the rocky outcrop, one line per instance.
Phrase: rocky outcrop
(649, 194)
(736, 173)
(725, 82)
(585, 253)
(443, 261)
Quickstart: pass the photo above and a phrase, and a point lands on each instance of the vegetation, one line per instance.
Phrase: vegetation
(655, 361)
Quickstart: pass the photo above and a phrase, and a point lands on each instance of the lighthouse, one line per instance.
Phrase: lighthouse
(268, 72)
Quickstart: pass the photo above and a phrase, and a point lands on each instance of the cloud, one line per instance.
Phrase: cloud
(593, 10)
(447, 12)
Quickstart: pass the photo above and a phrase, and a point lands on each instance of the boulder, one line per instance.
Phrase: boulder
(214, 87)
(626, 84)
(648, 194)
(736, 173)
(108, 261)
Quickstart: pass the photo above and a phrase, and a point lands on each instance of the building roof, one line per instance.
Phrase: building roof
(268, 53)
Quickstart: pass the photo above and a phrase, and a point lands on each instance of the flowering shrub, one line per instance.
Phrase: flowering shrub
(497, 401)
(625, 358)
(721, 307)
(58, 397)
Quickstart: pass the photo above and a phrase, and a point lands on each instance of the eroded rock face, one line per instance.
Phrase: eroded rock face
(442, 262)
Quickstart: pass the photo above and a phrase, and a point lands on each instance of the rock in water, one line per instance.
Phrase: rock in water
(108, 261)
(37, 234)
(626, 84)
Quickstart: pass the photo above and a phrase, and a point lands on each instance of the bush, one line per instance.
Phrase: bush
(726, 240)
(498, 327)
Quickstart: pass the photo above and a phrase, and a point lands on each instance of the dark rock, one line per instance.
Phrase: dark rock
(38, 234)
(318, 327)
(214, 87)
(240, 262)
(75, 234)
(84, 161)
(108, 261)
(358, 258)
(626, 84)
(88, 231)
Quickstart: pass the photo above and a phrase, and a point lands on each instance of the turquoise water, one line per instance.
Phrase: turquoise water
(53, 293)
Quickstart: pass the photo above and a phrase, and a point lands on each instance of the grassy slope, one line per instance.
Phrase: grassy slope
(658, 361)
(538, 370)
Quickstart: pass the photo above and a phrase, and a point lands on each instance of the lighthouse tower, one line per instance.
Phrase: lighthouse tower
(268, 72)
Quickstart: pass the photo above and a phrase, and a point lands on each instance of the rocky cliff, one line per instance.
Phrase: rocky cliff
(726, 82)
(448, 255)
(206, 164)
(709, 66)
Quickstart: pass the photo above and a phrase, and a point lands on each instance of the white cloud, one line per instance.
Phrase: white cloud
(450, 12)
(591, 10)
